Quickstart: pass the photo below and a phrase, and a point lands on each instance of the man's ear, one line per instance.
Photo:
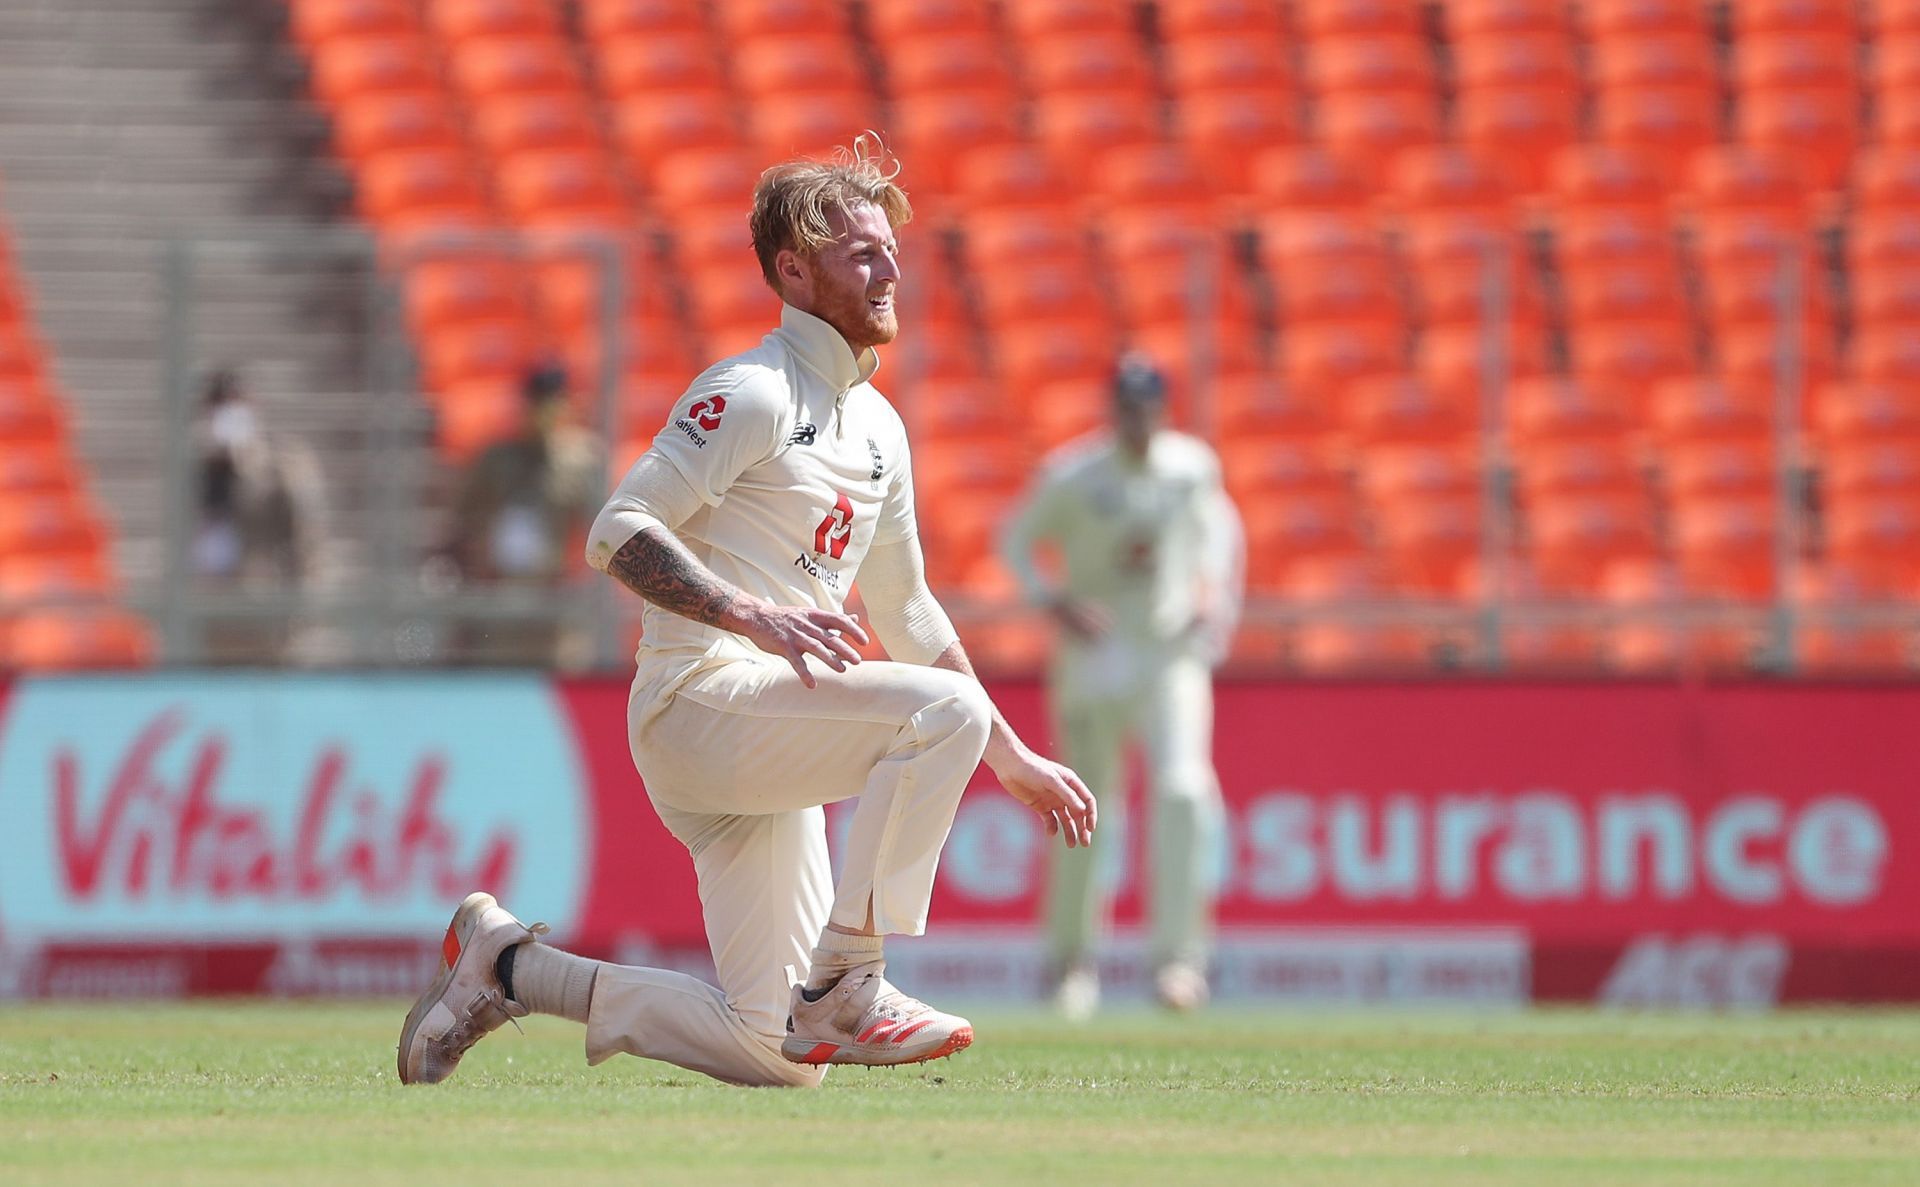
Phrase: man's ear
(792, 271)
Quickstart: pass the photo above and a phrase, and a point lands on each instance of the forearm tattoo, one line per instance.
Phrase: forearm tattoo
(660, 569)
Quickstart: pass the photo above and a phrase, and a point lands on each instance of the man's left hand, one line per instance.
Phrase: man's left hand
(1053, 791)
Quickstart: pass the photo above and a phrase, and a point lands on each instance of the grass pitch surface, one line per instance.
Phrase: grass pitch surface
(305, 1094)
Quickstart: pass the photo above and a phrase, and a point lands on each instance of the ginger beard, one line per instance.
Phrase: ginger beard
(853, 278)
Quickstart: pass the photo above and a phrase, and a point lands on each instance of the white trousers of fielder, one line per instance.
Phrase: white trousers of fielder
(738, 762)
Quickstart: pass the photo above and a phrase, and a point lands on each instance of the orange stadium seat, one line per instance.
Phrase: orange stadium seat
(1594, 178)
(1458, 295)
(1755, 239)
(1225, 130)
(1896, 67)
(701, 176)
(1681, 64)
(1886, 179)
(1550, 410)
(602, 19)
(1057, 413)
(1284, 530)
(1306, 179)
(1392, 472)
(1013, 177)
(972, 66)
(1667, 126)
(366, 125)
(1398, 409)
(316, 21)
(1752, 355)
(812, 125)
(1251, 63)
(71, 639)
(392, 65)
(1826, 646)
(1889, 297)
(1755, 17)
(1818, 128)
(28, 414)
(743, 20)
(1451, 179)
(1257, 404)
(943, 409)
(1573, 539)
(511, 124)
(1714, 469)
(1519, 131)
(1292, 244)
(936, 133)
(900, 21)
(50, 522)
(1158, 176)
(1878, 537)
(493, 348)
(573, 187)
(1536, 61)
(1313, 296)
(1609, 19)
(1030, 356)
(1549, 470)
(39, 467)
(1077, 129)
(1088, 63)
(1032, 19)
(669, 63)
(650, 128)
(1181, 20)
(514, 65)
(769, 69)
(1445, 241)
(1335, 358)
(1635, 357)
(1614, 238)
(1871, 468)
(1624, 293)
(1431, 544)
(1469, 20)
(1796, 61)
(1017, 238)
(56, 575)
(462, 287)
(472, 414)
(1368, 131)
(1847, 411)
(1348, 67)
(1739, 178)
(1261, 465)
(1883, 240)
(732, 296)
(1453, 359)
(1156, 294)
(1014, 295)
(457, 20)
(1316, 19)
(425, 184)
(1744, 299)
(1724, 547)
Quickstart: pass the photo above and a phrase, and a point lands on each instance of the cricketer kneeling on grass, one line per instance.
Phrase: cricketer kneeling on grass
(781, 474)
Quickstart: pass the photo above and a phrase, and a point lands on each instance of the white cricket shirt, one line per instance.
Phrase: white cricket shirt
(800, 465)
(1146, 540)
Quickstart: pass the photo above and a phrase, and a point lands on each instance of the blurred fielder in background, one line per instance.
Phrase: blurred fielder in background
(1146, 593)
(781, 478)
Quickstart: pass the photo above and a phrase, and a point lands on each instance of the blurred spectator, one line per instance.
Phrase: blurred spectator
(1145, 596)
(260, 519)
(520, 520)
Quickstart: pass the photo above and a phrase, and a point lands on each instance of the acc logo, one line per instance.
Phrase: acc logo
(830, 538)
(707, 412)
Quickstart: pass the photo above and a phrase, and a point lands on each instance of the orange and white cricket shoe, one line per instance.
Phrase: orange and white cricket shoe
(863, 1019)
(466, 1002)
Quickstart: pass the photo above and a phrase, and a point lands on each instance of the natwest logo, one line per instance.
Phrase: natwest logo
(150, 833)
(276, 808)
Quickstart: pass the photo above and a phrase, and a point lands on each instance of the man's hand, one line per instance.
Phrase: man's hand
(795, 632)
(1053, 791)
(1081, 619)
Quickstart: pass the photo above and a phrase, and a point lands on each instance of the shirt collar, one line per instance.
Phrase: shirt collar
(824, 351)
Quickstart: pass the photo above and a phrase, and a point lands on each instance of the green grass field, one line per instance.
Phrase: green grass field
(265, 1093)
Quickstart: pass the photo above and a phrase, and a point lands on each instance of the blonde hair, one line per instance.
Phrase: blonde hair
(793, 199)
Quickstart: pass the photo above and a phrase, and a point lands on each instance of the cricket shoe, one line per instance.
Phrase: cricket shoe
(1181, 988)
(466, 1002)
(864, 1019)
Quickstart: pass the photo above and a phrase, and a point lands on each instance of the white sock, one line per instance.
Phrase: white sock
(549, 981)
(836, 953)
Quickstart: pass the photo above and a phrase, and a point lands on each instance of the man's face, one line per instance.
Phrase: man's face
(1136, 421)
(850, 284)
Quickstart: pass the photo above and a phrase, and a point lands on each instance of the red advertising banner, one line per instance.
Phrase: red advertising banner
(1452, 841)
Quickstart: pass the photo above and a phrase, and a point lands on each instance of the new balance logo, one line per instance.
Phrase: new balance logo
(802, 435)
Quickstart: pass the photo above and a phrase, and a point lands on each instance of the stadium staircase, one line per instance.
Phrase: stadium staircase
(123, 125)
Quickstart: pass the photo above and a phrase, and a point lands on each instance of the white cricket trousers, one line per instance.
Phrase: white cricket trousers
(1102, 697)
(738, 763)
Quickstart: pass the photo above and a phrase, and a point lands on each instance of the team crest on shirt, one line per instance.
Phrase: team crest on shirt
(879, 464)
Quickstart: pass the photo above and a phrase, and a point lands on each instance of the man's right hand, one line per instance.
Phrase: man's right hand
(795, 632)
(1081, 619)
